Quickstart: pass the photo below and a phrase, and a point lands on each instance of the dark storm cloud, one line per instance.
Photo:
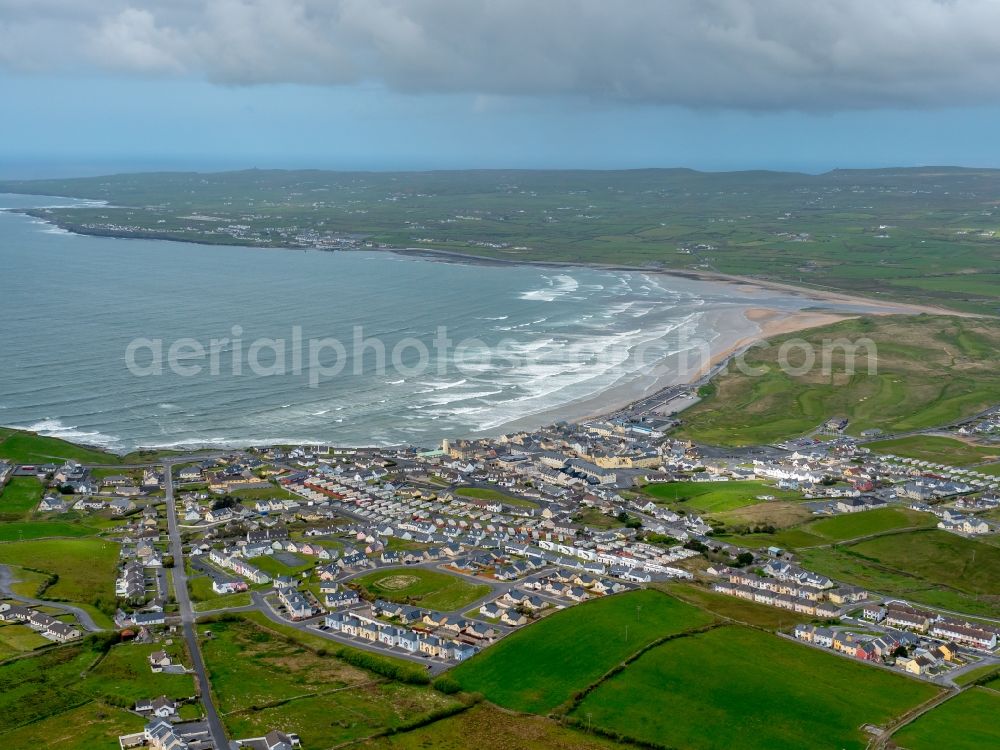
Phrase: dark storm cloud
(764, 55)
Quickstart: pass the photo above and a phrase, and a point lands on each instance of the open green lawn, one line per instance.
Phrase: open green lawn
(854, 525)
(540, 666)
(734, 687)
(275, 567)
(966, 722)
(205, 599)
(428, 588)
(262, 681)
(484, 493)
(929, 371)
(18, 530)
(264, 493)
(19, 498)
(29, 448)
(86, 567)
(933, 567)
(18, 638)
(710, 497)
(937, 449)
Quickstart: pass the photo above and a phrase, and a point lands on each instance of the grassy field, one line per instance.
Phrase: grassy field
(485, 727)
(484, 493)
(732, 608)
(974, 674)
(262, 681)
(29, 448)
(18, 638)
(275, 567)
(25, 530)
(85, 567)
(933, 567)
(74, 696)
(965, 722)
(539, 667)
(769, 225)
(826, 530)
(38, 687)
(736, 687)
(713, 497)
(92, 726)
(930, 371)
(19, 498)
(941, 450)
(596, 519)
(428, 588)
(854, 525)
(124, 674)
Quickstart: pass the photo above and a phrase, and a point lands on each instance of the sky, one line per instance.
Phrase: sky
(96, 86)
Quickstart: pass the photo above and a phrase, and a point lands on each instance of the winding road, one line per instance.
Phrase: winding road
(82, 615)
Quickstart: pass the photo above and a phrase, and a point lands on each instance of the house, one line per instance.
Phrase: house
(965, 634)
(491, 610)
(900, 615)
(161, 708)
(513, 617)
(917, 665)
(158, 660)
(162, 735)
(874, 612)
(229, 587)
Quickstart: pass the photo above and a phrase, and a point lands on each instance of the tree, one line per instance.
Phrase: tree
(744, 558)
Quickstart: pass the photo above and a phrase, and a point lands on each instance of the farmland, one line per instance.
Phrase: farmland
(824, 531)
(735, 687)
(85, 567)
(854, 525)
(485, 727)
(974, 711)
(540, 666)
(711, 497)
(428, 588)
(931, 370)
(19, 498)
(263, 681)
(932, 566)
(72, 696)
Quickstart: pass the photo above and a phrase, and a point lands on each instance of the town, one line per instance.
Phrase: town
(433, 556)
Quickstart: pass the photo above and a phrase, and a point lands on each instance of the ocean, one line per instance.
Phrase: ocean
(469, 349)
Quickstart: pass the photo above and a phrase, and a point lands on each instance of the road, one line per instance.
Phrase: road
(188, 617)
(82, 615)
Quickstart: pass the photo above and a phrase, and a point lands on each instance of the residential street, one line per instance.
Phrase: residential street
(187, 615)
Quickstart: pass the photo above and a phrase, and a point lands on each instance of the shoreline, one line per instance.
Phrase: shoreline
(769, 322)
(454, 256)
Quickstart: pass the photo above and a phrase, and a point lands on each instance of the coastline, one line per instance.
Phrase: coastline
(756, 324)
(888, 306)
